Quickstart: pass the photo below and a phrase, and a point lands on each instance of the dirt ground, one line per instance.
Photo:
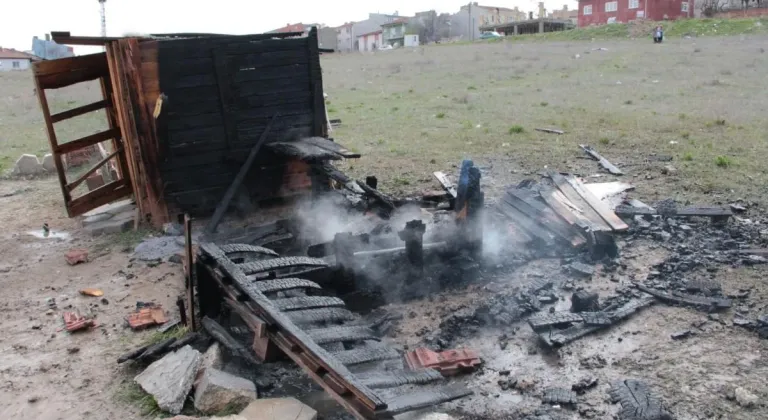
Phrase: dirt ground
(45, 372)
(700, 101)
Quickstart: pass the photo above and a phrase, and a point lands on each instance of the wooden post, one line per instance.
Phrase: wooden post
(190, 274)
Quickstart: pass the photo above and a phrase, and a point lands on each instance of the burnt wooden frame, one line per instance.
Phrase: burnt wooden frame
(55, 74)
(328, 372)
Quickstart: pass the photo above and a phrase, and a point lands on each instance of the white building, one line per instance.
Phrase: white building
(11, 59)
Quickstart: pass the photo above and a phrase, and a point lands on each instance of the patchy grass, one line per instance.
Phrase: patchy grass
(592, 107)
(672, 29)
(130, 393)
(516, 129)
(158, 336)
(723, 161)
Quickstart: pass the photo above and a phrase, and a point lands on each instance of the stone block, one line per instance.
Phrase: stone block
(27, 165)
(48, 163)
(278, 409)
(219, 390)
(121, 206)
(170, 379)
(118, 223)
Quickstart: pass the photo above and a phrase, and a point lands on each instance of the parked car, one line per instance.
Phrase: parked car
(385, 47)
(490, 35)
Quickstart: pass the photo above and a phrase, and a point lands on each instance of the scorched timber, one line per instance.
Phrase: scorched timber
(282, 285)
(318, 345)
(285, 262)
(244, 248)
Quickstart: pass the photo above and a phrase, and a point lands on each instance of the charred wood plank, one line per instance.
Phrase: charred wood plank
(550, 130)
(559, 396)
(379, 197)
(557, 318)
(599, 206)
(637, 401)
(281, 285)
(525, 201)
(556, 338)
(423, 399)
(525, 223)
(157, 349)
(320, 316)
(331, 146)
(608, 166)
(222, 207)
(222, 336)
(577, 203)
(366, 354)
(245, 248)
(400, 378)
(597, 318)
(306, 302)
(686, 299)
(303, 150)
(132, 354)
(442, 178)
(341, 334)
(292, 334)
(282, 263)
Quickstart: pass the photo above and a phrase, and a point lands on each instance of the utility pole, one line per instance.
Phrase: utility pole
(469, 23)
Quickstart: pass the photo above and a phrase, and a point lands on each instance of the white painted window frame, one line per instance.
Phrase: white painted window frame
(587, 10)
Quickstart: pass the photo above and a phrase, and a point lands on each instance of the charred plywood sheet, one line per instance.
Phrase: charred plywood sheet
(219, 95)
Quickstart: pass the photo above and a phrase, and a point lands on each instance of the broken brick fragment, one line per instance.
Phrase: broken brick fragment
(146, 317)
(73, 321)
(76, 256)
(448, 363)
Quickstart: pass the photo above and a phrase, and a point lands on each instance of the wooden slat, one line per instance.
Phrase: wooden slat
(71, 186)
(331, 146)
(608, 166)
(316, 85)
(301, 339)
(98, 197)
(53, 142)
(225, 96)
(114, 122)
(599, 206)
(88, 141)
(65, 38)
(61, 116)
(573, 196)
(64, 65)
(526, 203)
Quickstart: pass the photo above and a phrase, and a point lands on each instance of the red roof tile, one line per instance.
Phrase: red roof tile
(11, 53)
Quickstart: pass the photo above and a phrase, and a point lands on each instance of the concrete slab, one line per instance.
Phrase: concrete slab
(48, 163)
(114, 208)
(121, 222)
(169, 379)
(219, 390)
(278, 409)
(27, 165)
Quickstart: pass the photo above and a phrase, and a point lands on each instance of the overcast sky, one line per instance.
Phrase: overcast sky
(25, 18)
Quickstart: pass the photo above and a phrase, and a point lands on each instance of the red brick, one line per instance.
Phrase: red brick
(449, 362)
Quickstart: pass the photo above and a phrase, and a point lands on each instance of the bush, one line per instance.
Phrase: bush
(516, 129)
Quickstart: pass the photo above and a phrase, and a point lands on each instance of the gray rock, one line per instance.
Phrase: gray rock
(170, 379)
(49, 165)
(745, 398)
(122, 206)
(212, 357)
(218, 390)
(278, 409)
(159, 248)
(28, 165)
(118, 223)
(173, 229)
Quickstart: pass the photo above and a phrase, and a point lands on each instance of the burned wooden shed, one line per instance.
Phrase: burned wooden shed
(185, 111)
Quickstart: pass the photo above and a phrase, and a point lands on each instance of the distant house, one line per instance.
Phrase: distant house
(469, 19)
(370, 41)
(49, 50)
(565, 14)
(600, 12)
(345, 41)
(394, 32)
(11, 59)
(295, 27)
(372, 24)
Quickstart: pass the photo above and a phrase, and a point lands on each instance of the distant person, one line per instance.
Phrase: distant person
(658, 35)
